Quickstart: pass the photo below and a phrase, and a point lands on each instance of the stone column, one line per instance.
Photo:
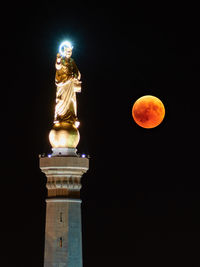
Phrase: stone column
(63, 244)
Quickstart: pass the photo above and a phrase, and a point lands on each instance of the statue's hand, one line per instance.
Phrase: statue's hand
(58, 59)
(77, 86)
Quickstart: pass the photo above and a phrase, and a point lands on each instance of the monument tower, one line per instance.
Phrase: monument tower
(64, 169)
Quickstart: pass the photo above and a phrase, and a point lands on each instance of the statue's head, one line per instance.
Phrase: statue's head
(67, 52)
(66, 49)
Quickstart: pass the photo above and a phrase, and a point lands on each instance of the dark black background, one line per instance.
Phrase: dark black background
(141, 195)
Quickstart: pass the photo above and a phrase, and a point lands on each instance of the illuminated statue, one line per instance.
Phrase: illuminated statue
(64, 135)
(68, 83)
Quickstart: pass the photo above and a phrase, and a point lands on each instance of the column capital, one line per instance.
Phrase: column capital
(64, 175)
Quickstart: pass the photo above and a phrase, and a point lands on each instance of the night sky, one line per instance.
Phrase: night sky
(141, 195)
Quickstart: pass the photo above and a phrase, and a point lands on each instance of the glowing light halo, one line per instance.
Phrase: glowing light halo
(64, 44)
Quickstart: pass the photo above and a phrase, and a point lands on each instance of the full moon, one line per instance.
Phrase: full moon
(148, 111)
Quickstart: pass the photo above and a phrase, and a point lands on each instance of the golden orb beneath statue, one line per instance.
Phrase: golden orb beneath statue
(64, 135)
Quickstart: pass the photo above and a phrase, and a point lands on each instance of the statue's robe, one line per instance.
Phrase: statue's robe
(67, 85)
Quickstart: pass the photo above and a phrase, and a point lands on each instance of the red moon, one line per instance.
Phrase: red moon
(148, 111)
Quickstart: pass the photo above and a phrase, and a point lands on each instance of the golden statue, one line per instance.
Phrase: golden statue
(68, 83)
(67, 79)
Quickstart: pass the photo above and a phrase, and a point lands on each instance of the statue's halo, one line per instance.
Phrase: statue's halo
(64, 44)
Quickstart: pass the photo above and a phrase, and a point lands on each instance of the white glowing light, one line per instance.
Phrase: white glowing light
(49, 156)
(83, 155)
(77, 123)
(64, 44)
